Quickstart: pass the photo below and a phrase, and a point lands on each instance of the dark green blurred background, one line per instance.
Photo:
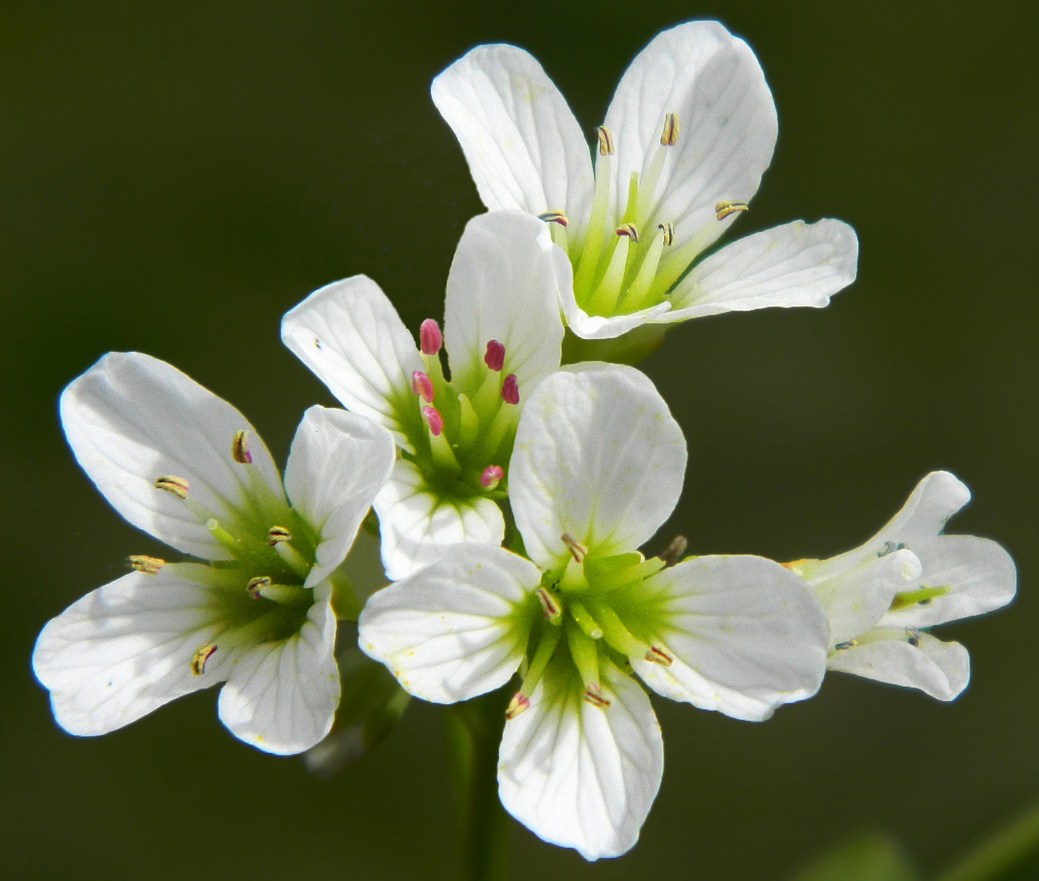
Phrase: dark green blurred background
(175, 176)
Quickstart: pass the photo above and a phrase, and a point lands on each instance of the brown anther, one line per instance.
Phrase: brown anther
(256, 585)
(520, 703)
(674, 551)
(548, 604)
(669, 136)
(278, 534)
(657, 655)
(913, 637)
(593, 695)
(629, 230)
(178, 486)
(240, 447)
(145, 564)
(555, 217)
(606, 147)
(793, 565)
(198, 660)
(844, 646)
(577, 550)
(668, 229)
(724, 209)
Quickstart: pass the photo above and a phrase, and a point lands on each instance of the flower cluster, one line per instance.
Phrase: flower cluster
(513, 496)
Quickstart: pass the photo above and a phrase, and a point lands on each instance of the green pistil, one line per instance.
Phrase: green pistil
(914, 597)
(546, 649)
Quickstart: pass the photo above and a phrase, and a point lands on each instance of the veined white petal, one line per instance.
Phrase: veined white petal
(281, 696)
(599, 327)
(338, 462)
(417, 523)
(131, 419)
(856, 593)
(582, 776)
(504, 285)
(746, 635)
(797, 264)
(598, 456)
(457, 628)
(977, 573)
(934, 500)
(524, 147)
(940, 669)
(126, 648)
(727, 127)
(351, 337)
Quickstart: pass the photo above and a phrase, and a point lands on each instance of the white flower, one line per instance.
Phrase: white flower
(909, 576)
(597, 469)
(690, 131)
(187, 468)
(503, 333)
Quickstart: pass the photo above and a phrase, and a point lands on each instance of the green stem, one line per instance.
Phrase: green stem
(1001, 854)
(474, 732)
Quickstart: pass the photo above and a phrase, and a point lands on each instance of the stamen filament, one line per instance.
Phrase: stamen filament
(601, 302)
(616, 634)
(635, 293)
(293, 559)
(597, 233)
(585, 652)
(912, 597)
(585, 620)
(536, 668)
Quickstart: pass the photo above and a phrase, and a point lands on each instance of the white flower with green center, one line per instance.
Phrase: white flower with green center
(688, 135)
(597, 469)
(882, 597)
(187, 468)
(455, 430)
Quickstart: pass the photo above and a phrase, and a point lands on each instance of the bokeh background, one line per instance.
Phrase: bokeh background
(173, 177)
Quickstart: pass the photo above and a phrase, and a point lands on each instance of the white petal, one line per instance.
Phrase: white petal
(599, 327)
(934, 500)
(856, 594)
(131, 419)
(746, 635)
(417, 523)
(941, 669)
(797, 264)
(581, 776)
(457, 628)
(350, 335)
(281, 696)
(524, 147)
(979, 575)
(126, 648)
(504, 285)
(597, 455)
(727, 126)
(338, 462)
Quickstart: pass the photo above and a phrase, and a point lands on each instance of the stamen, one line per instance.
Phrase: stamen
(913, 637)
(669, 136)
(491, 476)
(256, 585)
(198, 660)
(844, 646)
(549, 605)
(657, 655)
(430, 338)
(520, 703)
(668, 229)
(724, 209)
(577, 550)
(494, 357)
(890, 547)
(629, 230)
(433, 419)
(555, 217)
(278, 534)
(176, 485)
(914, 597)
(674, 551)
(606, 146)
(593, 695)
(585, 621)
(145, 564)
(422, 385)
(240, 448)
(510, 390)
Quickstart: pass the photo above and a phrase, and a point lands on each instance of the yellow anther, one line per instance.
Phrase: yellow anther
(659, 656)
(606, 147)
(668, 229)
(256, 585)
(278, 534)
(577, 550)
(176, 485)
(554, 217)
(593, 695)
(198, 660)
(145, 564)
(520, 703)
(669, 136)
(724, 209)
(240, 447)
(629, 230)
